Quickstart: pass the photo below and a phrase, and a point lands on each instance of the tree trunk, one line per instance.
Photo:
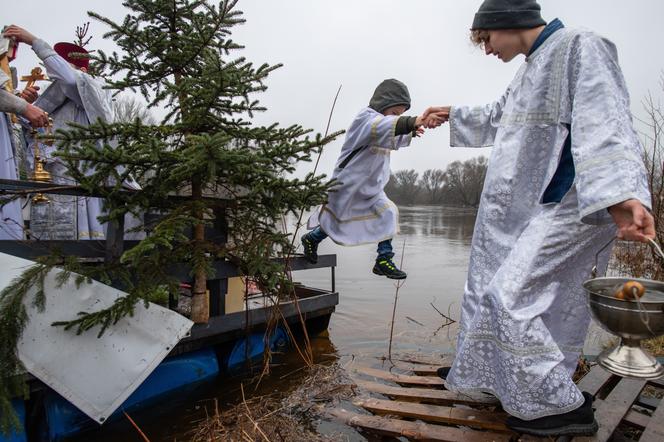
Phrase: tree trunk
(200, 302)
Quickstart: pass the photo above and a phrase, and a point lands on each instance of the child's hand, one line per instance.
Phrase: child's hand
(419, 132)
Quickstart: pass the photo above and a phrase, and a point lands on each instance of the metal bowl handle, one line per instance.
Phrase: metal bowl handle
(593, 272)
(651, 243)
(656, 247)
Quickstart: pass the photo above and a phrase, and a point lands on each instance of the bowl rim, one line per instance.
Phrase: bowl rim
(623, 278)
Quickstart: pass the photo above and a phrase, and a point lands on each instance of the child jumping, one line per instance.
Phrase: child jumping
(357, 210)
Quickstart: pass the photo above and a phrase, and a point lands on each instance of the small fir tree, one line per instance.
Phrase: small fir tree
(178, 55)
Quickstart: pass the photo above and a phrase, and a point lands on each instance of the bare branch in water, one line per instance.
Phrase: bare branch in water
(416, 322)
(396, 297)
(448, 319)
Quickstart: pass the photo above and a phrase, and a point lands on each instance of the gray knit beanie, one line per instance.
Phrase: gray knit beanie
(390, 93)
(508, 14)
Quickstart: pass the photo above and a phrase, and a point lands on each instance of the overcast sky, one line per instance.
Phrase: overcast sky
(358, 43)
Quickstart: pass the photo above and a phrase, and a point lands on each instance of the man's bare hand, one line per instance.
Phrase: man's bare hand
(430, 120)
(19, 34)
(634, 221)
(442, 112)
(30, 94)
(37, 117)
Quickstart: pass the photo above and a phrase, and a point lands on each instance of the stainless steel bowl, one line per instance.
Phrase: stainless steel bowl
(631, 321)
(626, 318)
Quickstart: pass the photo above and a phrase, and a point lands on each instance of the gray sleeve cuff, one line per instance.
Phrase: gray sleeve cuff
(405, 125)
(42, 49)
(11, 104)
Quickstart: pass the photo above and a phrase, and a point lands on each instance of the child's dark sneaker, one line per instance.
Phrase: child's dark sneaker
(385, 267)
(579, 422)
(310, 249)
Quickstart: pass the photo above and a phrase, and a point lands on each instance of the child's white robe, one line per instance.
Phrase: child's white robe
(358, 211)
(524, 313)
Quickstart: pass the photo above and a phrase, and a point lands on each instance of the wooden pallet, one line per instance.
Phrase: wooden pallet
(409, 401)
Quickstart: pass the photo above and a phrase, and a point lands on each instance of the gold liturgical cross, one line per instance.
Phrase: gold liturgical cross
(35, 75)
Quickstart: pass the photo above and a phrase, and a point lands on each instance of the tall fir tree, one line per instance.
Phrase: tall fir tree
(178, 54)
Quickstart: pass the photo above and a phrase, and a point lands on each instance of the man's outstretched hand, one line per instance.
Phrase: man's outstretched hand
(435, 116)
(432, 118)
(634, 221)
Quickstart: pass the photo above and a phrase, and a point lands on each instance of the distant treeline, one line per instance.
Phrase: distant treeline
(460, 184)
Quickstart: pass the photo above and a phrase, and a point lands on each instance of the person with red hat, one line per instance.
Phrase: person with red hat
(74, 96)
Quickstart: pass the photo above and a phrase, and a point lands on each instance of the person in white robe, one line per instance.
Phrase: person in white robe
(564, 178)
(357, 210)
(74, 96)
(11, 218)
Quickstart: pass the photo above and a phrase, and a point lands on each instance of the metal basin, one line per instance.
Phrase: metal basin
(631, 322)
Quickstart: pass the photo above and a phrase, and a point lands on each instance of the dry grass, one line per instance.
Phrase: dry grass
(655, 346)
(277, 418)
(582, 369)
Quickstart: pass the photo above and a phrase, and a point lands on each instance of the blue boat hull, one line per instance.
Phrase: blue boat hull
(173, 375)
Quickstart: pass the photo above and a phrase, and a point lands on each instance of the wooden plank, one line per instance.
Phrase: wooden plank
(659, 383)
(615, 407)
(594, 380)
(421, 369)
(636, 419)
(416, 430)
(650, 403)
(655, 429)
(427, 395)
(439, 361)
(488, 420)
(401, 379)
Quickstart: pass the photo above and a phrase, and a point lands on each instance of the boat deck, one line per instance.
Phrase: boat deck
(409, 400)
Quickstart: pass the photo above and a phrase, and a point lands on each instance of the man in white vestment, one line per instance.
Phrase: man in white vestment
(73, 97)
(565, 176)
(358, 211)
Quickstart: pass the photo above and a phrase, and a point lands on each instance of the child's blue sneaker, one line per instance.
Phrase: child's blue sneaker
(386, 267)
(310, 248)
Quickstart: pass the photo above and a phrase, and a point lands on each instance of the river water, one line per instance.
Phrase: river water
(435, 242)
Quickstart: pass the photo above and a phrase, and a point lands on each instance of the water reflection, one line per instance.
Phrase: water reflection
(452, 223)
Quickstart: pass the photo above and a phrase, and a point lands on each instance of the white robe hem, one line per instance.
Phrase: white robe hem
(487, 390)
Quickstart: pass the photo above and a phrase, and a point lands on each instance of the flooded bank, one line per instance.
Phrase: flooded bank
(437, 246)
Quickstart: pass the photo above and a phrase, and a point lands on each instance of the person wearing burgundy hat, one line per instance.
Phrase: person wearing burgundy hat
(565, 177)
(74, 96)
